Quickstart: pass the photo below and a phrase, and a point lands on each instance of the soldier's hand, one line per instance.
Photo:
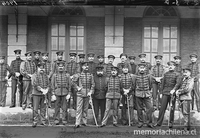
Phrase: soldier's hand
(89, 94)
(177, 93)
(172, 92)
(30, 75)
(44, 91)
(6, 78)
(71, 77)
(68, 97)
(17, 74)
(53, 98)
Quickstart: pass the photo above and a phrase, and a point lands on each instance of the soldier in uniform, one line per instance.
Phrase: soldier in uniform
(127, 90)
(16, 78)
(73, 68)
(36, 57)
(91, 63)
(169, 85)
(184, 94)
(4, 68)
(41, 86)
(195, 68)
(123, 58)
(112, 96)
(143, 85)
(61, 92)
(111, 59)
(157, 72)
(54, 66)
(133, 64)
(178, 67)
(81, 60)
(142, 57)
(85, 87)
(27, 69)
(99, 97)
(47, 67)
(101, 62)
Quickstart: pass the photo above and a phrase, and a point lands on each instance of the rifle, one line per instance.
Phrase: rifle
(91, 103)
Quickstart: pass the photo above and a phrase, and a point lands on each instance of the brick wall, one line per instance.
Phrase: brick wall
(95, 35)
(133, 36)
(37, 33)
(3, 35)
(189, 38)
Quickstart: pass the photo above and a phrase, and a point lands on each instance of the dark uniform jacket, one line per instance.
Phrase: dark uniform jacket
(100, 87)
(47, 66)
(127, 82)
(72, 68)
(39, 80)
(15, 67)
(27, 67)
(92, 67)
(133, 68)
(114, 87)
(194, 68)
(108, 69)
(4, 67)
(80, 65)
(178, 68)
(157, 70)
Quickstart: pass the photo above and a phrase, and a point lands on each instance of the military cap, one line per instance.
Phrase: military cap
(132, 57)
(17, 51)
(2, 57)
(61, 64)
(114, 68)
(158, 57)
(171, 63)
(85, 63)
(111, 56)
(142, 55)
(142, 65)
(90, 54)
(193, 55)
(187, 69)
(73, 54)
(45, 54)
(100, 56)
(177, 57)
(123, 54)
(28, 53)
(59, 53)
(36, 52)
(99, 68)
(81, 55)
(40, 65)
(125, 66)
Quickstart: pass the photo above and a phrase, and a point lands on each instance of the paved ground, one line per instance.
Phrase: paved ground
(21, 131)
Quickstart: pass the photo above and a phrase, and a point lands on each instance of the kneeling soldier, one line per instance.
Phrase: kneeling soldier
(143, 84)
(61, 92)
(41, 85)
(112, 96)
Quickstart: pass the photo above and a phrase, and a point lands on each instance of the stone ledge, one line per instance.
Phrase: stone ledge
(17, 115)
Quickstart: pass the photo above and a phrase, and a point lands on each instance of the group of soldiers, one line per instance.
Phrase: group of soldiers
(142, 87)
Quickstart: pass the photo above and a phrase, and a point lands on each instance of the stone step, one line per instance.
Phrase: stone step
(17, 115)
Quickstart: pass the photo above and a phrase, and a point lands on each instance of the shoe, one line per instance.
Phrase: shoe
(140, 125)
(115, 125)
(64, 122)
(56, 122)
(34, 124)
(156, 125)
(43, 123)
(150, 125)
(170, 125)
(12, 106)
(102, 125)
(77, 126)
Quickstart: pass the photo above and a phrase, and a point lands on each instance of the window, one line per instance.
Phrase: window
(160, 33)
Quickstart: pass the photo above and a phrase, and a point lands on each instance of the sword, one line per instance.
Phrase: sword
(128, 104)
(91, 103)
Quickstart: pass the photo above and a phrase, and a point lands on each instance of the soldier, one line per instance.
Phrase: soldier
(127, 90)
(36, 57)
(184, 94)
(111, 59)
(47, 67)
(123, 58)
(101, 62)
(73, 68)
(16, 78)
(157, 72)
(27, 69)
(142, 57)
(81, 60)
(133, 64)
(41, 86)
(143, 85)
(112, 96)
(61, 91)
(3, 80)
(85, 87)
(99, 97)
(195, 68)
(178, 67)
(54, 66)
(169, 85)
(91, 63)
